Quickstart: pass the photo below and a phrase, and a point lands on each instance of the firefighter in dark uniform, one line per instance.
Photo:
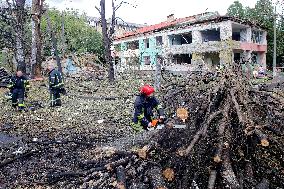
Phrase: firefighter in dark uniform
(19, 85)
(56, 85)
(144, 105)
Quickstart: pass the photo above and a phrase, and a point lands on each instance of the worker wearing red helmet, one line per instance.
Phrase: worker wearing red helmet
(144, 105)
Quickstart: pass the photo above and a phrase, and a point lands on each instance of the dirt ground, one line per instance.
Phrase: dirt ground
(92, 112)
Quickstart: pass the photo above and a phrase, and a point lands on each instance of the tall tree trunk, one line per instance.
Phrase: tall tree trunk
(107, 41)
(54, 43)
(63, 34)
(19, 29)
(36, 38)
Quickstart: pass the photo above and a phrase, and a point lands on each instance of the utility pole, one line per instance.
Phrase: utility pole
(274, 45)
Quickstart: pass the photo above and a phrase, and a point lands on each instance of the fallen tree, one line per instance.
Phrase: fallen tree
(233, 139)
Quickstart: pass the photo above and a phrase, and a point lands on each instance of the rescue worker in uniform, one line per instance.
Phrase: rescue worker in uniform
(19, 85)
(56, 85)
(144, 105)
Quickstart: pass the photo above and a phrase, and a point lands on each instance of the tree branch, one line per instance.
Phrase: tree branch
(99, 10)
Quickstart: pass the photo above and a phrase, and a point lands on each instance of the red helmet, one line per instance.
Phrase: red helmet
(147, 90)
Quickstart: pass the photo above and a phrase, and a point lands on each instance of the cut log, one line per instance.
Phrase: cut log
(262, 137)
(197, 136)
(169, 174)
(218, 153)
(227, 173)
(143, 152)
(221, 129)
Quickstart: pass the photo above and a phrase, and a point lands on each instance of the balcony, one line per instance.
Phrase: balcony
(211, 46)
(247, 46)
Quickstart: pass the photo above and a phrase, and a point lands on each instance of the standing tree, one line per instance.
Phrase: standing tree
(108, 33)
(54, 43)
(236, 9)
(17, 10)
(37, 6)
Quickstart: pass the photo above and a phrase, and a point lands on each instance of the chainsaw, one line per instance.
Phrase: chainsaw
(159, 124)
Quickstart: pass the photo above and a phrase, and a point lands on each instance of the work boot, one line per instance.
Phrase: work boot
(58, 103)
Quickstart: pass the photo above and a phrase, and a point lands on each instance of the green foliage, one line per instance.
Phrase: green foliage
(236, 9)
(79, 36)
(263, 14)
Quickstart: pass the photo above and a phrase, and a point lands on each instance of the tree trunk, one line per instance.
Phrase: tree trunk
(36, 38)
(63, 34)
(54, 43)
(19, 29)
(107, 40)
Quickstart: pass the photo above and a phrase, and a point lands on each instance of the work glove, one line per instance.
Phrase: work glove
(136, 127)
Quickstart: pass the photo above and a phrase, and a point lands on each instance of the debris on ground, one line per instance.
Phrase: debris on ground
(83, 66)
(233, 137)
(4, 77)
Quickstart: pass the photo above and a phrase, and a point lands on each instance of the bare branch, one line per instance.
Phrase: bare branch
(124, 2)
(99, 10)
(122, 21)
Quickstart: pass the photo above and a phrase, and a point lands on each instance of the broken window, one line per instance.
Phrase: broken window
(159, 41)
(180, 39)
(117, 60)
(146, 43)
(237, 57)
(147, 60)
(133, 45)
(182, 59)
(257, 36)
(236, 36)
(210, 35)
(212, 60)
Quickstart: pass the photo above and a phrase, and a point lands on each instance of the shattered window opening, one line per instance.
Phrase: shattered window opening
(257, 37)
(159, 41)
(146, 43)
(211, 35)
(180, 39)
(147, 60)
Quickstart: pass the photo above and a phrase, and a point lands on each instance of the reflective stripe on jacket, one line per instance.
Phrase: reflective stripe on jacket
(144, 109)
(55, 79)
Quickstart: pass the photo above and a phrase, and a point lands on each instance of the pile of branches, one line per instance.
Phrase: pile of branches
(4, 77)
(233, 139)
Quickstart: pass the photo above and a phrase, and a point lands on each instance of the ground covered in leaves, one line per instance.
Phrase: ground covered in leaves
(93, 112)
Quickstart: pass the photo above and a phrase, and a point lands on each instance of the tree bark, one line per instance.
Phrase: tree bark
(63, 34)
(107, 38)
(36, 38)
(54, 43)
(19, 29)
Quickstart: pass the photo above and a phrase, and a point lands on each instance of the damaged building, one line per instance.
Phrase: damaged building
(183, 43)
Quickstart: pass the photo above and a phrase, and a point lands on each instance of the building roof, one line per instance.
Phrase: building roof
(195, 19)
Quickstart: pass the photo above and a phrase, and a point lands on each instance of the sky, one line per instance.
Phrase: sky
(150, 11)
